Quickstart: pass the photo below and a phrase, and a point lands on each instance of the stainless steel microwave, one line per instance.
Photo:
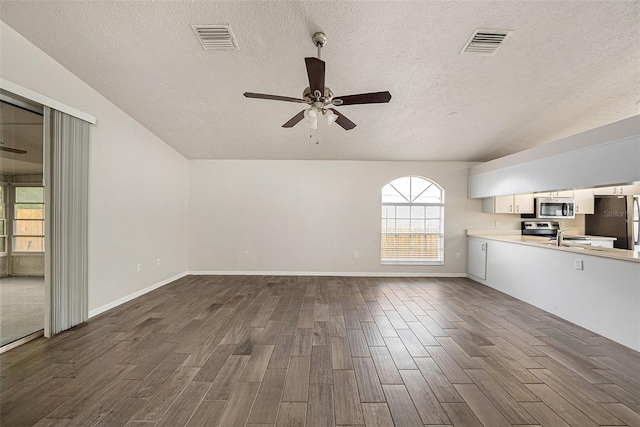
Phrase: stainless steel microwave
(555, 207)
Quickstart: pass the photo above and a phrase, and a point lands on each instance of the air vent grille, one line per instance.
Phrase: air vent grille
(485, 42)
(215, 37)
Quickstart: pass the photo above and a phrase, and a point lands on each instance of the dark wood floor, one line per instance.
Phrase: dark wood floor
(322, 351)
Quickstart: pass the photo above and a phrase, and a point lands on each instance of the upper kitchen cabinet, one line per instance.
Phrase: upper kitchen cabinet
(566, 193)
(518, 204)
(609, 191)
(583, 200)
(618, 190)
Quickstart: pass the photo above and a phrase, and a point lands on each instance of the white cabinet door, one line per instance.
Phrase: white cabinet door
(608, 191)
(565, 193)
(498, 204)
(631, 190)
(584, 201)
(477, 261)
(523, 203)
(503, 204)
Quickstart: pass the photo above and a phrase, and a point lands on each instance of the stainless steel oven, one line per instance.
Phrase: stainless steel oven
(555, 208)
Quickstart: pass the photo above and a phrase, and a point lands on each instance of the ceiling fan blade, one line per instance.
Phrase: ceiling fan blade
(294, 120)
(13, 150)
(273, 97)
(315, 71)
(345, 123)
(365, 98)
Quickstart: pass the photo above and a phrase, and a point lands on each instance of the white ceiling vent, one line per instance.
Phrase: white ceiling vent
(215, 37)
(485, 42)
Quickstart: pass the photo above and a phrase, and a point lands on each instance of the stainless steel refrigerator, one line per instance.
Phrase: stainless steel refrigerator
(615, 216)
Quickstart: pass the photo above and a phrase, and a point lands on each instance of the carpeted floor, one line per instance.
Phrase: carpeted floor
(21, 307)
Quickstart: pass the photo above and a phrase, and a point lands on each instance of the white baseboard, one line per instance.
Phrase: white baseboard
(322, 273)
(134, 295)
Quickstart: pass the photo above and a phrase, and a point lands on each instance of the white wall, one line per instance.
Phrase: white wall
(310, 216)
(138, 185)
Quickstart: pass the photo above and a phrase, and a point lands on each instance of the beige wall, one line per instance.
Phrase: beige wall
(310, 216)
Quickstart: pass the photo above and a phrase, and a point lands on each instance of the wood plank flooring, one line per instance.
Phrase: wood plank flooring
(322, 351)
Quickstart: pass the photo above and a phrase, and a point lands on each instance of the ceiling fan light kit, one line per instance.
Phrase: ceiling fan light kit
(320, 98)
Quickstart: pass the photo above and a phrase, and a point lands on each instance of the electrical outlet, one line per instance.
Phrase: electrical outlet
(457, 255)
(246, 253)
(139, 268)
(158, 261)
(579, 264)
(355, 254)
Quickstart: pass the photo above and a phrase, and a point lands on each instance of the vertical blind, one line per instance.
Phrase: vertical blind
(68, 180)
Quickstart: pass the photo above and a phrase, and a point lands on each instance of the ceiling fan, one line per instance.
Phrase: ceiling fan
(320, 98)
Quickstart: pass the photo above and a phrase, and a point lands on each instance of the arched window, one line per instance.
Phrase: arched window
(412, 222)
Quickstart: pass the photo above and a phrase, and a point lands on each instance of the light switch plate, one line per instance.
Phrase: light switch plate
(579, 264)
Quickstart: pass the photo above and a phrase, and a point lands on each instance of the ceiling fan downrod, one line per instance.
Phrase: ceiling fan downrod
(319, 39)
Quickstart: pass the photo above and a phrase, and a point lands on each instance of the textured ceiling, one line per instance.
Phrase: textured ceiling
(567, 67)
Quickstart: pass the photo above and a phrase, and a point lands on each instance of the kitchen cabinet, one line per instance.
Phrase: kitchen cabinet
(565, 193)
(524, 203)
(520, 203)
(583, 201)
(477, 259)
(609, 191)
(631, 190)
(602, 297)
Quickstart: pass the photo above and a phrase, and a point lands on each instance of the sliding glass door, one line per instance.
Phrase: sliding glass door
(22, 216)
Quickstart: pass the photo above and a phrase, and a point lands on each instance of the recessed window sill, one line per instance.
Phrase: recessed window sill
(409, 262)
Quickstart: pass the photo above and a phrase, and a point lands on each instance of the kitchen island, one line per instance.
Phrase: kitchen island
(594, 287)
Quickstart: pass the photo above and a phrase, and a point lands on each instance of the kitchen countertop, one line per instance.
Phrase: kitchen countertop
(571, 246)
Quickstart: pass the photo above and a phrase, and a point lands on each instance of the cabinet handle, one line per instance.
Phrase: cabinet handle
(577, 208)
(517, 208)
(484, 247)
(510, 208)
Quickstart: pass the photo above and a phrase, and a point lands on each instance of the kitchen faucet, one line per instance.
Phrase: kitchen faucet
(560, 237)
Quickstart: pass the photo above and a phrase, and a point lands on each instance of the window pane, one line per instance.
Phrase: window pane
(3, 245)
(433, 211)
(403, 185)
(432, 195)
(391, 195)
(403, 225)
(418, 185)
(433, 225)
(29, 211)
(390, 226)
(29, 195)
(417, 225)
(28, 228)
(417, 211)
(1, 210)
(388, 211)
(403, 212)
(2, 233)
(28, 244)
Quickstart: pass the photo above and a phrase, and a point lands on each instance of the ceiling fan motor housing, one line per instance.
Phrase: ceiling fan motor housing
(322, 101)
